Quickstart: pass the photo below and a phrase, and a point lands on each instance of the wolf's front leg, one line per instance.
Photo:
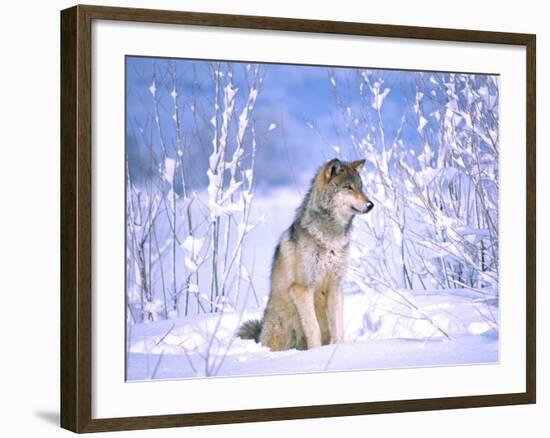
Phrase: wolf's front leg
(303, 299)
(335, 314)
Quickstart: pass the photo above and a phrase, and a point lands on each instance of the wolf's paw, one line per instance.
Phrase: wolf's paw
(313, 342)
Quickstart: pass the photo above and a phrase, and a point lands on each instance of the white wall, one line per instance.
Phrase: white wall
(29, 220)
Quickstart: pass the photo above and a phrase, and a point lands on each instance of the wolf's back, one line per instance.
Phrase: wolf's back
(251, 330)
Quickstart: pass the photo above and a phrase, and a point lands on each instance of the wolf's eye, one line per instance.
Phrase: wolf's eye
(348, 187)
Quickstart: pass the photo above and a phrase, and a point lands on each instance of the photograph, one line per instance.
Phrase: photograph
(287, 219)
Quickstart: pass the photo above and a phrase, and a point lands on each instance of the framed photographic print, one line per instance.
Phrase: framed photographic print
(268, 218)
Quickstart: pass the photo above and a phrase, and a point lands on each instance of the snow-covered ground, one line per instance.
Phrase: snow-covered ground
(381, 332)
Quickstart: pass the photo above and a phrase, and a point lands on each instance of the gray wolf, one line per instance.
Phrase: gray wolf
(305, 305)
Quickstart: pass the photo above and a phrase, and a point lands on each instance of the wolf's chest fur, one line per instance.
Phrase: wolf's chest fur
(327, 258)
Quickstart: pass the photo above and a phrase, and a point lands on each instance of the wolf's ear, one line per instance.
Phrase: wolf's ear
(333, 168)
(357, 164)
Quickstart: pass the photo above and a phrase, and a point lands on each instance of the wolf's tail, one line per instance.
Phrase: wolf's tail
(251, 330)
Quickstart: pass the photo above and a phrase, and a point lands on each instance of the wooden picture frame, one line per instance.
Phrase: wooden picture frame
(76, 217)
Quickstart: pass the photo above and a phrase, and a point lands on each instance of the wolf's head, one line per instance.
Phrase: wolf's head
(343, 181)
